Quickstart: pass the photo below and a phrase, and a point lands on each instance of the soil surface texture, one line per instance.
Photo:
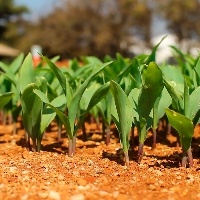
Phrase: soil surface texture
(96, 171)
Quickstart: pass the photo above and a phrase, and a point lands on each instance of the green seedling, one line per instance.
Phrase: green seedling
(69, 120)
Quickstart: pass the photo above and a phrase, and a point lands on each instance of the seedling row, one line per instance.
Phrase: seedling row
(129, 92)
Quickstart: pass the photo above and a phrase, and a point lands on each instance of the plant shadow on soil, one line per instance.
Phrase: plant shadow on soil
(164, 138)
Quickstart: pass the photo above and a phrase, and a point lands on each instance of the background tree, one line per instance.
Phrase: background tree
(10, 17)
(88, 27)
(182, 17)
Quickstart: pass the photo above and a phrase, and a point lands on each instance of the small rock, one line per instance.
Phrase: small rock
(54, 195)
(77, 197)
(103, 193)
(43, 194)
(158, 172)
(61, 177)
(81, 182)
(13, 170)
(25, 154)
(24, 197)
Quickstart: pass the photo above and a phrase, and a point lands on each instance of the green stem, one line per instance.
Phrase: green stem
(39, 141)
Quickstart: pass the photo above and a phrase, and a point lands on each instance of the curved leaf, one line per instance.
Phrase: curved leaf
(5, 98)
(183, 125)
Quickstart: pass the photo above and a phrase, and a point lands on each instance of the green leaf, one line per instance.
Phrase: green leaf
(74, 104)
(194, 104)
(31, 110)
(98, 95)
(41, 82)
(5, 98)
(60, 114)
(16, 64)
(124, 111)
(162, 102)
(58, 73)
(152, 56)
(176, 94)
(153, 85)
(183, 125)
(47, 116)
(27, 75)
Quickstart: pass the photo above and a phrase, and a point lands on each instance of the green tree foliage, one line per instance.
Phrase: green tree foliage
(9, 20)
(87, 27)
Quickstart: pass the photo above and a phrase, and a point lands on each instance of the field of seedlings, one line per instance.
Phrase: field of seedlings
(112, 129)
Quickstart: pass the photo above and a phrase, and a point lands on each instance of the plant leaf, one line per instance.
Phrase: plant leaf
(74, 103)
(153, 85)
(31, 110)
(124, 111)
(183, 125)
(26, 74)
(58, 73)
(5, 98)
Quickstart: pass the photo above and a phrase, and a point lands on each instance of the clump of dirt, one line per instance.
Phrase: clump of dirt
(96, 171)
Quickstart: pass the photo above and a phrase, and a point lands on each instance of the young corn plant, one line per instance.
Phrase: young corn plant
(158, 111)
(123, 118)
(72, 101)
(184, 118)
(35, 116)
(105, 106)
(11, 73)
(151, 90)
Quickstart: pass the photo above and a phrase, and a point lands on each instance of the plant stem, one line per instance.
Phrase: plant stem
(187, 158)
(39, 144)
(97, 123)
(14, 128)
(4, 118)
(140, 152)
(107, 135)
(103, 130)
(154, 138)
(70, 148)
(10, 118)
(73, 145)
(28, 144)
(84, 132)
(132, 137)
(34, 145)
(190, 158)
(59, 131)
(126, 158)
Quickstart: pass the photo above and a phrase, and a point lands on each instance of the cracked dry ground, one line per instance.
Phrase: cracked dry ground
(96, 171)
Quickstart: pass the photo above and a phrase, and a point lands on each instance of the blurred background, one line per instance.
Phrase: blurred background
(74, 28)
